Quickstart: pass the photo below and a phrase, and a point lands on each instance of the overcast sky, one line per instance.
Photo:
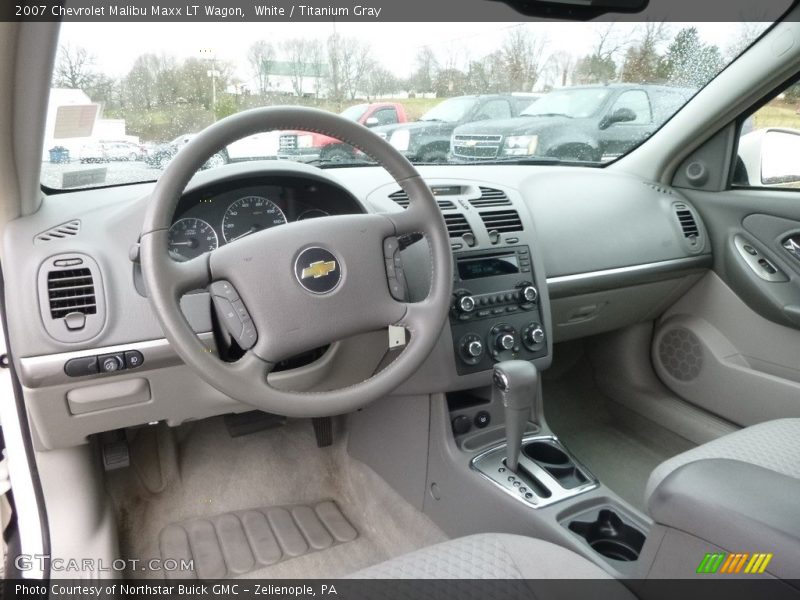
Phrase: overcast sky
(395, 45)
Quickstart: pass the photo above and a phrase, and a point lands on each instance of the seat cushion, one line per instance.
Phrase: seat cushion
(487, 556)
(773, 445)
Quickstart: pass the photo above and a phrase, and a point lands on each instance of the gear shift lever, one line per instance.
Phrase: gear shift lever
(516, 385)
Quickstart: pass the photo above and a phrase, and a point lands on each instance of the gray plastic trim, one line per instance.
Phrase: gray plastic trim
(43, 371)
(608, 279)
(491, 465)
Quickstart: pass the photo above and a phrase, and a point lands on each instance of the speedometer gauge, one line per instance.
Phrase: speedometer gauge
(192, 237)
(248, 215)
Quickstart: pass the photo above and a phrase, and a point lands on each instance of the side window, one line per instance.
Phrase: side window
(769, 144)
(495, 109)
(636, 101)
(386, 116)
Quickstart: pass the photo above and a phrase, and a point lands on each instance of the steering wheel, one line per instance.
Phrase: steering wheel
(301, 285)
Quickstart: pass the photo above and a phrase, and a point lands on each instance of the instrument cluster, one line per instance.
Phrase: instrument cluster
(215, 216)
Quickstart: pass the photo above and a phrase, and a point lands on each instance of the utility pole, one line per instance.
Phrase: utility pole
(209, 55)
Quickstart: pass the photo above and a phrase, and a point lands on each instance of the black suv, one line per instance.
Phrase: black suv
(582, 123)
(428, 140)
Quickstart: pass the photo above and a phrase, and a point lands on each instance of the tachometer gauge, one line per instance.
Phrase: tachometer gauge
(312, 213)
(248, 215)
(192, 237)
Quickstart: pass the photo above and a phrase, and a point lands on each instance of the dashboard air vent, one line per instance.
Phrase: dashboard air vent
(401, 199)
(502, 221)
(490, 197)
(69, 291)
(59, 232)
(686, 221)
(457, 225)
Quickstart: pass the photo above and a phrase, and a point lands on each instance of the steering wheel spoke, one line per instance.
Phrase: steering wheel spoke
(189, 275)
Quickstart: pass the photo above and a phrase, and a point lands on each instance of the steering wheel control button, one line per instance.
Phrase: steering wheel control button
(224, 289)
(482, 419)
(79, 367)
(133, 359)
(317, 270)
(111, 363)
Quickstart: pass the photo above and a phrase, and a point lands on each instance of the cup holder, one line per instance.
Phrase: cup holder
(610, 536)
(556, 462)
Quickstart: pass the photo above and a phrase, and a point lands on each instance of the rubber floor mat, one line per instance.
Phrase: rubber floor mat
(238, 542)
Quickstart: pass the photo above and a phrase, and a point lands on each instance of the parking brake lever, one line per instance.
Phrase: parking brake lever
(516, 385)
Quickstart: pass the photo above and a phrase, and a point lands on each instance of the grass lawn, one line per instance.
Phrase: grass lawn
(777, 115)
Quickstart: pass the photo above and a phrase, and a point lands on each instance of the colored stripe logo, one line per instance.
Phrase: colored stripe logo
(734, 562)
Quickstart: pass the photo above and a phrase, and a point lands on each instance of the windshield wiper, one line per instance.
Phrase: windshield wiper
(548, 115)
(350, 162)
(434, 121)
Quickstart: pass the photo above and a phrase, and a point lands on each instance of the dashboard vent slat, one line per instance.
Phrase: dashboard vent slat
(401, 199)
(457, 225)
(71, 290)
(59, 232)
(502, 221)
(490, 198)
(687, 221)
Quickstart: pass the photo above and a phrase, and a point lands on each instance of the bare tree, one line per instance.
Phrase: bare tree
(745, 35)
(261, 57)
(356, 62)
(316, 62)
(560, 65)
(426, 67)
(74, 67)
(524, 57)
(295, 51)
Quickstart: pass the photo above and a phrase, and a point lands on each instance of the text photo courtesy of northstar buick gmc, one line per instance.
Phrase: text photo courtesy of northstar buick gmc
(377, 301)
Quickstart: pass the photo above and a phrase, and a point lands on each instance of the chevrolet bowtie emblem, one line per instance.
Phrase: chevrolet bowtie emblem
(318, 269)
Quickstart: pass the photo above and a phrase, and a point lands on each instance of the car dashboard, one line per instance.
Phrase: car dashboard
(540, 255)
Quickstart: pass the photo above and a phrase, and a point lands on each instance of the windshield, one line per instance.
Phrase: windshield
(450, 111)
(577, 103)
(120, 110)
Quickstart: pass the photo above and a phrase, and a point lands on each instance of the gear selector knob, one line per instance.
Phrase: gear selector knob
(515, 383)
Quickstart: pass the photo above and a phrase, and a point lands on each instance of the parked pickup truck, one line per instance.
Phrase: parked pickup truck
(305, 146)
(428, 140)
(583, 123)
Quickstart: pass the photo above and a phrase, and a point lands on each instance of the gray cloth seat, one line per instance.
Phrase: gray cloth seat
(738, 492)
(492, 556)
(773, 445)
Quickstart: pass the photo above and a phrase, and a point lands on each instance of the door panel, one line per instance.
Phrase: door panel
(731, 345)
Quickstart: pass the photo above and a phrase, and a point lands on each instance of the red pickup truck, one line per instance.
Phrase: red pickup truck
(306, 146)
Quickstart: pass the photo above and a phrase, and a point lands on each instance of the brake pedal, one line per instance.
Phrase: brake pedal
(323, 431)
(251, 422)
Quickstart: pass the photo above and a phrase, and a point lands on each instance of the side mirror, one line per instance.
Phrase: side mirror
(372, 122)
(621, 115)
(771, 157)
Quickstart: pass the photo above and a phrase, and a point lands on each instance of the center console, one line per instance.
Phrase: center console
(495, 312)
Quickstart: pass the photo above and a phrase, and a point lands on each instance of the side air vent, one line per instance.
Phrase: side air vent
(71, 297)
(502, 221)
(401, 199)
(69, 291)
(457, 225)
(686, 221)
(59, 232)
(490, 198)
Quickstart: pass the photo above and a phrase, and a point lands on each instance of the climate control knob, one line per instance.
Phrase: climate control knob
(466, 304)
(533, 336)
(530, 293)
(474, 348)
(505, 341)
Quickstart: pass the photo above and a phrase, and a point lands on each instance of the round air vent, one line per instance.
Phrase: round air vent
(681, 354)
